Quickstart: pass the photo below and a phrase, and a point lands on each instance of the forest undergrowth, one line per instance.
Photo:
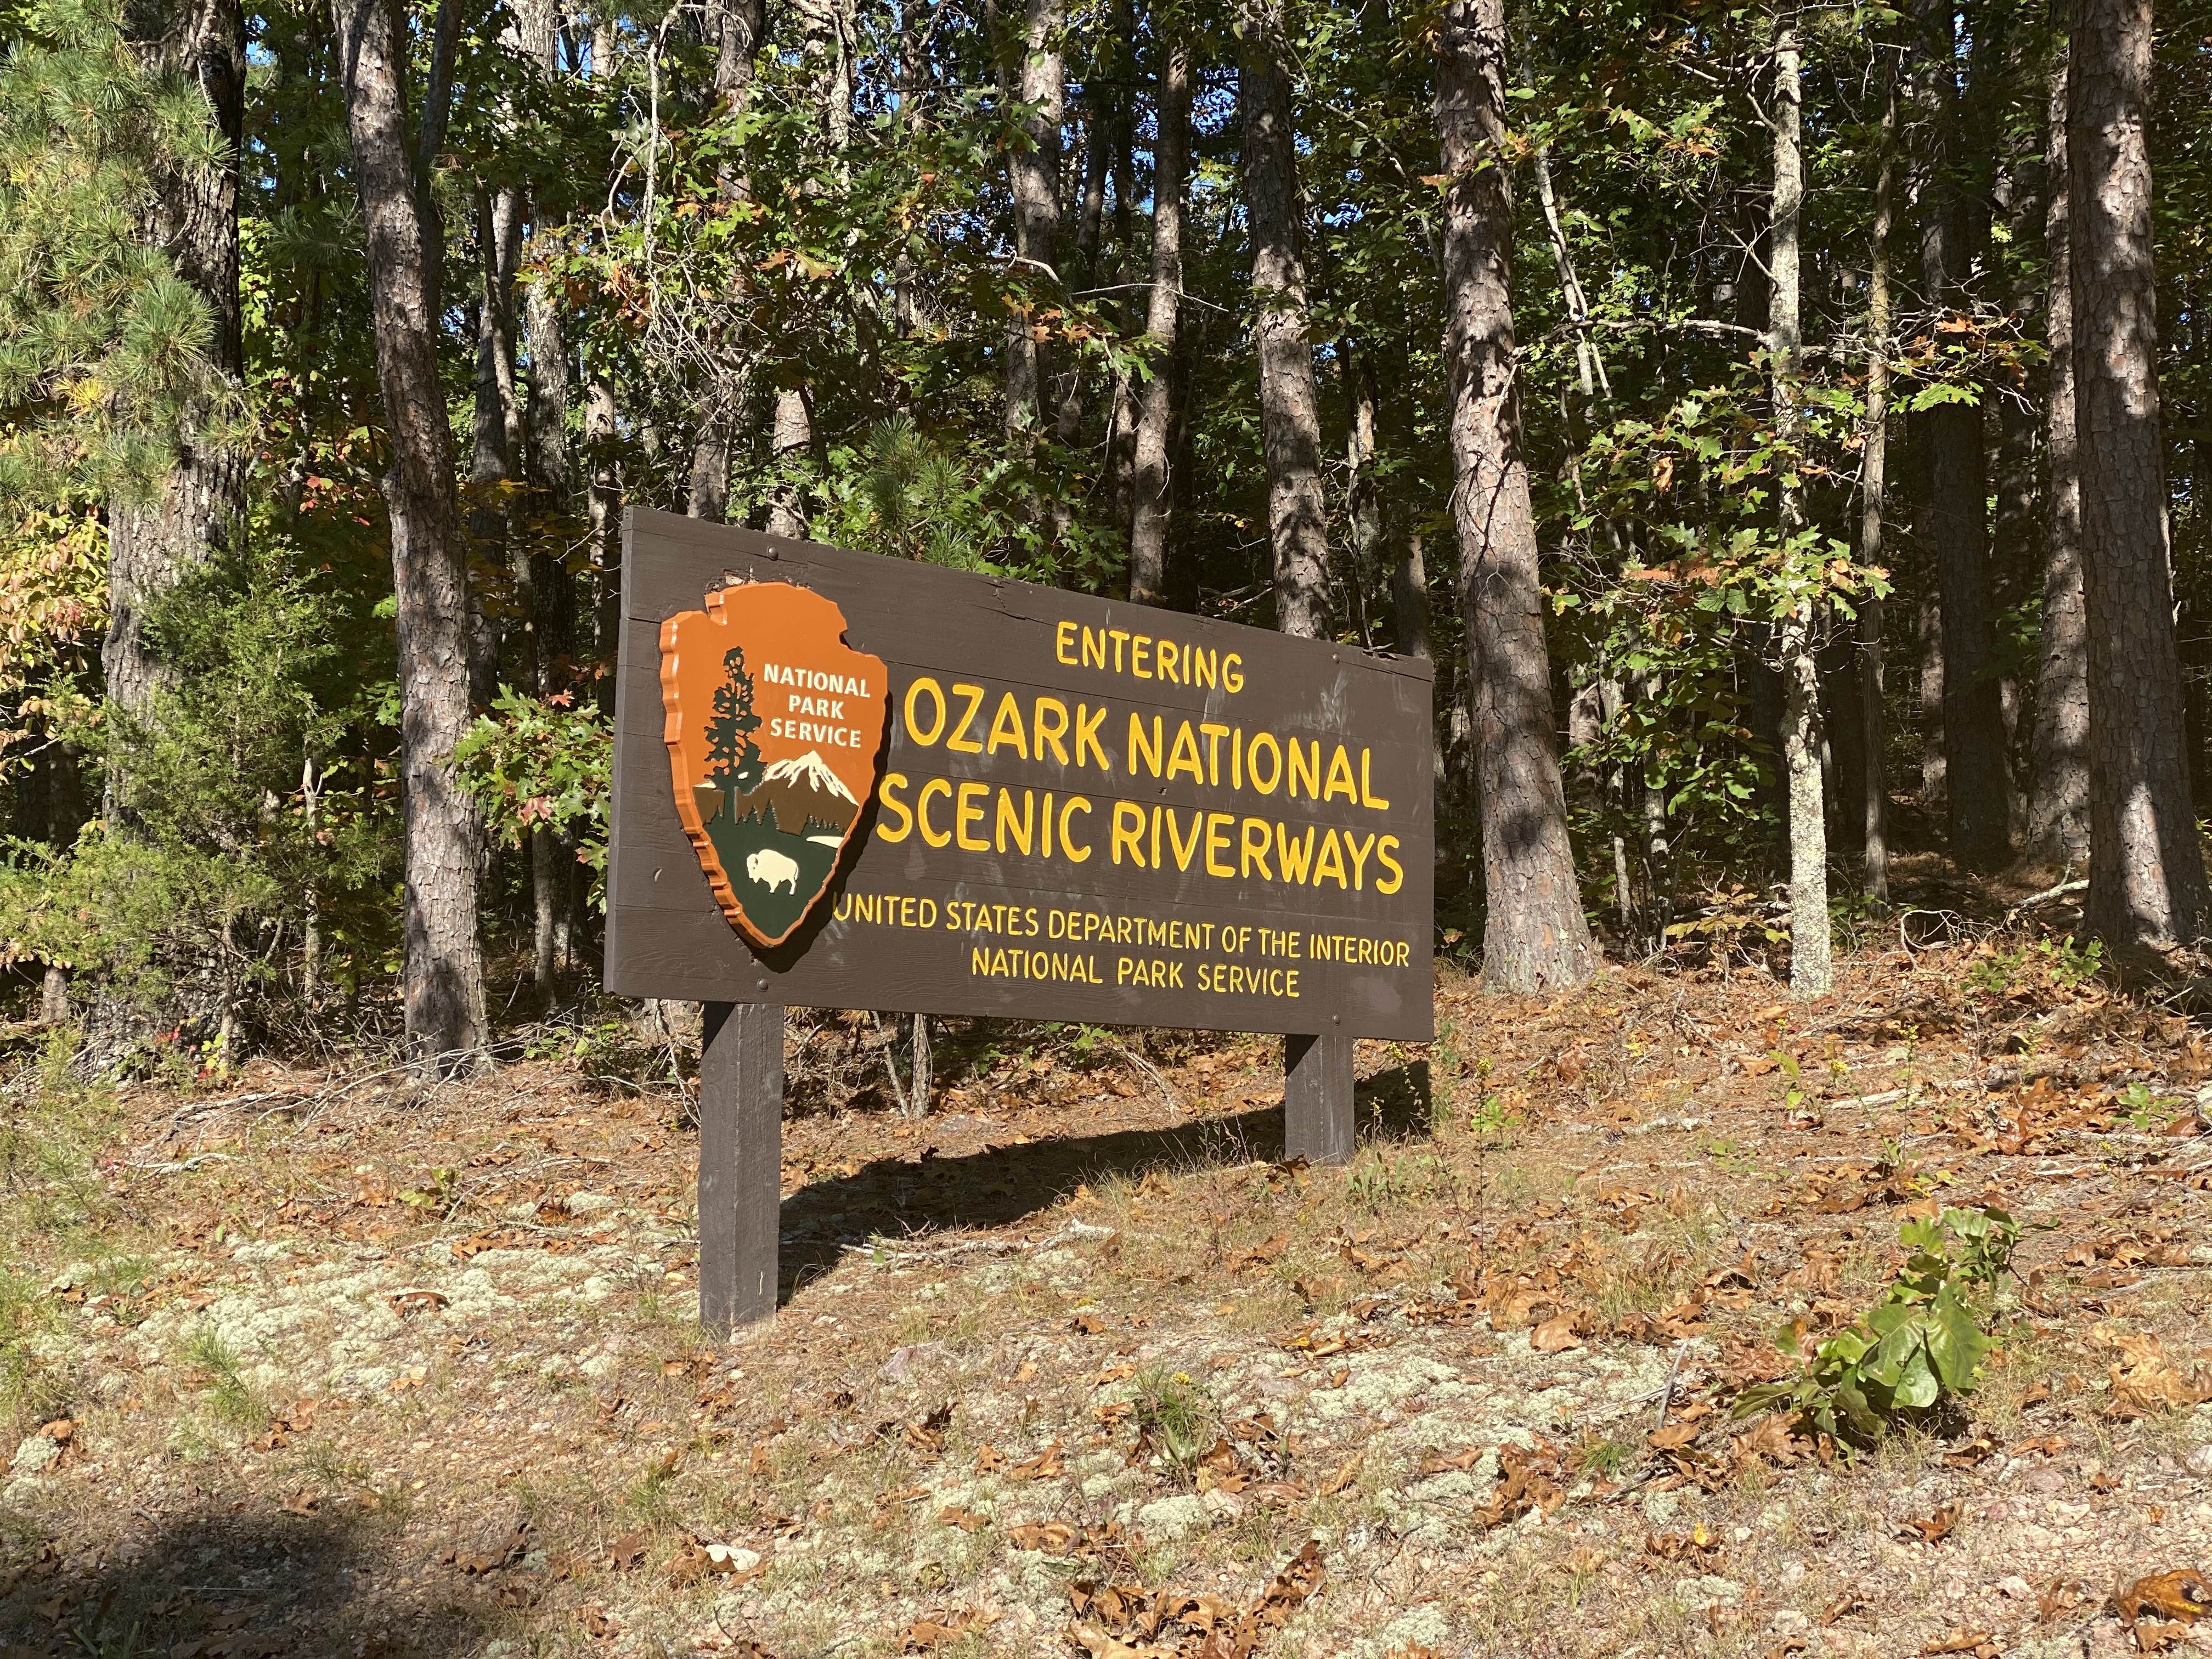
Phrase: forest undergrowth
(322, 1361)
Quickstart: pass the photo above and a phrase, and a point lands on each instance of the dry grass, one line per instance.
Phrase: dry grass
(417, 1373)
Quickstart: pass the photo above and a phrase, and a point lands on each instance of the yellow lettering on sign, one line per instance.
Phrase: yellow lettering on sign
(894, 780)
(1128, 830)
(1086, 735)
(1264, 740)
(936, 788)
(1216, 840)
(1143, 752)
(1185, 850)
(960, 740)
(1331, 861)
(1048, 721)
(1021, 831)
(1397, 876)
(1006, 727)
(970, 810)
(1184, 758)
(1072, 804)
(1340, 776)
(1367, 795)
(914, 694)
(1255, 834)
(1359, 850)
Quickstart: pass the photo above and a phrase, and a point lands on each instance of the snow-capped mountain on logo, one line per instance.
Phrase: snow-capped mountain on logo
(810, 770)
(807, 797)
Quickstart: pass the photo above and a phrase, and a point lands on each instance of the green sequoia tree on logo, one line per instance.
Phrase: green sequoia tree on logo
(734, 758)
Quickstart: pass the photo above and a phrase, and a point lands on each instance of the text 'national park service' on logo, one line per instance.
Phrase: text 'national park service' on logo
(774, 728)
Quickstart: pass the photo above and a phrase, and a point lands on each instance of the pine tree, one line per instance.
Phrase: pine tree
(735, 757)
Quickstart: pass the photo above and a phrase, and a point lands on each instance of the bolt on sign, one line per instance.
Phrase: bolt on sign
(844, 780)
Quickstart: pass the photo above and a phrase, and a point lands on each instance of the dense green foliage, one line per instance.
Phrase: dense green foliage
(703, 254)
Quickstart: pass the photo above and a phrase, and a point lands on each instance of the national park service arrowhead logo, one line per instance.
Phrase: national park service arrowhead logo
(773, 726)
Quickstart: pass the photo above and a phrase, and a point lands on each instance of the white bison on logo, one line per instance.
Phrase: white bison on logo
(771, 869)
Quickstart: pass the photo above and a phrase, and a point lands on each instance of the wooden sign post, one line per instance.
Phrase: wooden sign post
(847, 781)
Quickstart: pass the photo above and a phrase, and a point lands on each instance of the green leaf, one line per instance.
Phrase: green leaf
(1917, 1387)
(1955, 1343)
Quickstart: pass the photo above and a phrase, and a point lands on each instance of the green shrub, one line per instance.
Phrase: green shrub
(1914, 1352)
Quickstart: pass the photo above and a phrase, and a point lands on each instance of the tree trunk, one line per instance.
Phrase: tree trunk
(1034, 176)
(827, 48)
(1874, 483)
(1370, 528)
(2058, 811)
(1409, 627)
(551, 590)
(200, 510)
(791, 441)
(443, 980)
(1977, 787)
(1934, 782)
(603, 521)
(1535, 937)
(2147, 881)
(1082, 262)
(1153, 497)
(492, 450)
(1811, 972)
(734, 28)
(1289, 407)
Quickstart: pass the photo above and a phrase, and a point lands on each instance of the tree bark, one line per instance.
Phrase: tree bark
(2058, 811)
(1535, 937)
(442, 979)
(552, 590)
(2147, 883)
(1370, 512)
(492, 448)
(1934, 780)
(734, 28)
(200, 510)
(1034, 173)
(1290, 405)
(1153, 496)
(1874, 483)
(603, 519)
(1811, 971)
(827, 48)
(1977, 786)
(1083, 261)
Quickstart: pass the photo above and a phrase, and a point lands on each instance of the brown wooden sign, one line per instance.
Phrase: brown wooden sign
(850, 781)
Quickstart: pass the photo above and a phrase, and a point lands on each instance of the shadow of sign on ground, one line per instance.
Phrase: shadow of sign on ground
(911, 1198)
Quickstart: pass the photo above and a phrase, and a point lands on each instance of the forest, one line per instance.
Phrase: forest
(1786, 430)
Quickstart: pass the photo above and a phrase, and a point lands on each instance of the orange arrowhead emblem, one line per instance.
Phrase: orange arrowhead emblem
(774, 728)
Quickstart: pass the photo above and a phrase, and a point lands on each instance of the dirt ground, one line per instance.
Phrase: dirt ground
(316, 1362)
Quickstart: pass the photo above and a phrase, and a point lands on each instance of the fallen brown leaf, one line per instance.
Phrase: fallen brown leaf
(1934, 1528)
(1980, 1644)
